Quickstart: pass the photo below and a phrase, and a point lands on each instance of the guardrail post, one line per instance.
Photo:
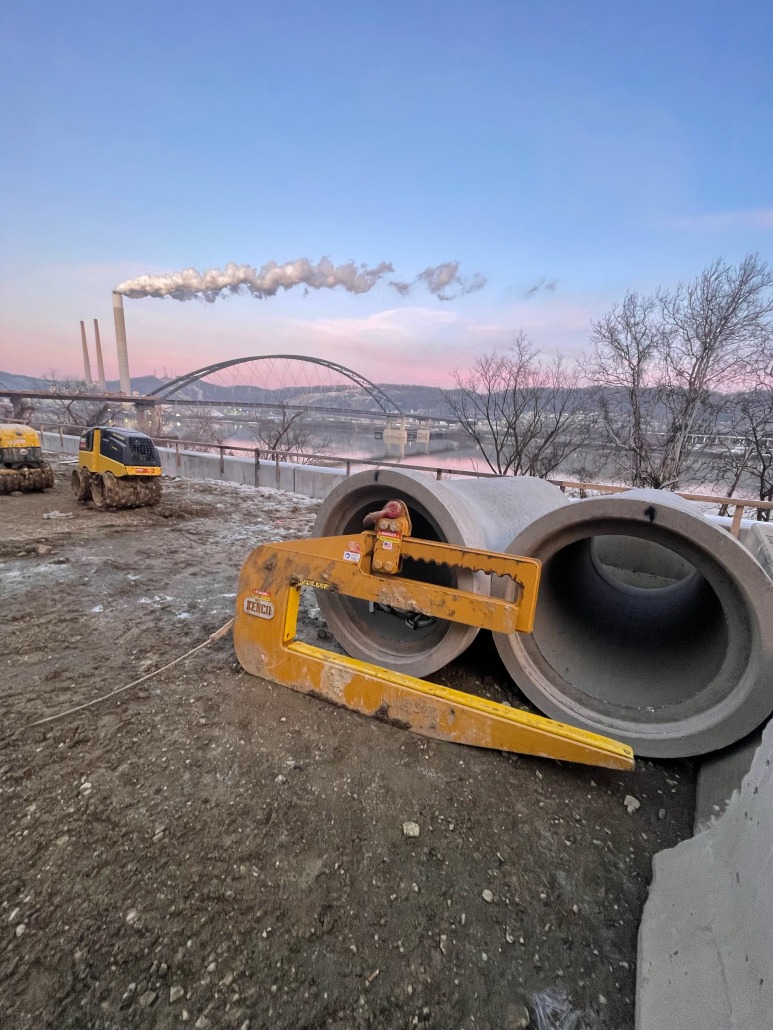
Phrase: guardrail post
(257, 466)
(177, 456)
(276, 461)
(735, 527)
(348, 469)
(61, 439)
(438, 473)
(222, 459)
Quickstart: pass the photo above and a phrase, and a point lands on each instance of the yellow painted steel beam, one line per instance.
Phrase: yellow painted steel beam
(265, 643)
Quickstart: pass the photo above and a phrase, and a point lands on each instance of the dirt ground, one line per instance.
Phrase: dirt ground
(211, 850)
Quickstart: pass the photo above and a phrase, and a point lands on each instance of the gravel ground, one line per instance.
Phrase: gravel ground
(212, 850)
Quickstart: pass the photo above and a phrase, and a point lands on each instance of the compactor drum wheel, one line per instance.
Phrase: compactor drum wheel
(151, 490)
(47, 476)
(98, 492)
(109, 491)
(80, 481)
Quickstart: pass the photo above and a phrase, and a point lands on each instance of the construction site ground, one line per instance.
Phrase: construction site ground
(211, 850)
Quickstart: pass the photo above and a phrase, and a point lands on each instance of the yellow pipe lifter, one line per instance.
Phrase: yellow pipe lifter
(366, 566)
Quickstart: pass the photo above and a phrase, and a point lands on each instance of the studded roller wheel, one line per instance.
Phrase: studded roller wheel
(113, 492)
(47, 476)
(80, 482)
(98, 492)
(153, 487)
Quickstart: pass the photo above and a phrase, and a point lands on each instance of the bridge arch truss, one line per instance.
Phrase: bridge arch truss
(292, 379)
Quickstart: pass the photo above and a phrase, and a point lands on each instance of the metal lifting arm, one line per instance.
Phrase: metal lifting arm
(356, 566)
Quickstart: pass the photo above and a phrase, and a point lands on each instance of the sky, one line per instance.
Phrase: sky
(563, 152)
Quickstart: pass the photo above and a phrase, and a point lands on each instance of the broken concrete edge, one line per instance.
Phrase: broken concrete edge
(705, 956)
(720, 776)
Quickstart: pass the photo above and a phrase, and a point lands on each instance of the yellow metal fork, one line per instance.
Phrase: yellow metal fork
(265, 624)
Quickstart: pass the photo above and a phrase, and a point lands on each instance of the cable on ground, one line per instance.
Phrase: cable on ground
(217, 635)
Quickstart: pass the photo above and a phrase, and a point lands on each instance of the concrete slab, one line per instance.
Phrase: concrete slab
(759, 540)
(720, 774)
(706, 938)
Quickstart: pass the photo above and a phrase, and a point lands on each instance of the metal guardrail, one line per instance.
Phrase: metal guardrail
(737, 504)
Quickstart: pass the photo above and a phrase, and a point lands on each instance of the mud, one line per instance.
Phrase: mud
(212, 850)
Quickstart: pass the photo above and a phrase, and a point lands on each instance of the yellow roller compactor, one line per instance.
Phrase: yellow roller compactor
(21, 460)
(117, 468)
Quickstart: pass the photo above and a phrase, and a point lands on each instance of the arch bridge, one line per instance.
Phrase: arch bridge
(278, 380)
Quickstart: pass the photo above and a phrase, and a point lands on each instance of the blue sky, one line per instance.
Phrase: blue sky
(603, 146)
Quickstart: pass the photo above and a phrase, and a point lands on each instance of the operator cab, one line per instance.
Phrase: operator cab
(126, 446)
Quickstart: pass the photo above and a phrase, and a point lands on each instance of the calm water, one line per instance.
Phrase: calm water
(455, 452)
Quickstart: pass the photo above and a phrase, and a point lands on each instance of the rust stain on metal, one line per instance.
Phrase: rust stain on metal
(382, 715)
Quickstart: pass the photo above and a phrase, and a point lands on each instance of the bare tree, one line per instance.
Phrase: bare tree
(288, 431)
(747, 459)
(200, 426)
(72, 411)
(659, 361)
(524, 414)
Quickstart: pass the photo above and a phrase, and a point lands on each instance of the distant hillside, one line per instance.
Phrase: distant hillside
(9, 381)
(425, 399)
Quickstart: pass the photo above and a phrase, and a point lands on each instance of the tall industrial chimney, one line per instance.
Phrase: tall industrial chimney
(100, 363)
(86, 362)
(120, 342)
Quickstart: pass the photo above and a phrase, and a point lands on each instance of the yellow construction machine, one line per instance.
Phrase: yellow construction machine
(369, 566)
(117, 468)
(21, 460)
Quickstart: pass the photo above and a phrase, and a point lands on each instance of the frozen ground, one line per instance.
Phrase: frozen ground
(211, 850)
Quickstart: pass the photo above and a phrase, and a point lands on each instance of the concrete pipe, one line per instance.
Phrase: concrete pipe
(653, 626)
(480, 513)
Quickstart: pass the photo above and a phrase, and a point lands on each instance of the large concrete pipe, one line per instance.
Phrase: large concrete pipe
(480, 513)
(662, 638)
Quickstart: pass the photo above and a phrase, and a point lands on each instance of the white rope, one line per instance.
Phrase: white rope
(105, 697)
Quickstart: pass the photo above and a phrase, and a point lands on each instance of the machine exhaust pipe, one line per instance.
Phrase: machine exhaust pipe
(121, 346)
(653, 625)
(479, 513)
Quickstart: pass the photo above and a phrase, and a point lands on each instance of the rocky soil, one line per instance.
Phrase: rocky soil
(211, 850)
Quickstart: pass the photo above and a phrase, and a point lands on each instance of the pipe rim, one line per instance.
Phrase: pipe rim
(727, 568)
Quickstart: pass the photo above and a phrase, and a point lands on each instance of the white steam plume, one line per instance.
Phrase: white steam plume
(444, 281)
(264, 282)
(268, 280)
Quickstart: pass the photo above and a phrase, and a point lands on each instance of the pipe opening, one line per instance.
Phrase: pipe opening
(641, 634)
(638, 563)
(389, 630)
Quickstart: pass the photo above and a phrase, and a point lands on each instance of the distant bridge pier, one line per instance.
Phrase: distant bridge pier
(148, 416)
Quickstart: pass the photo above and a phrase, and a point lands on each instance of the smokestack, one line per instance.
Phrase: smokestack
(86, 362)
(120, 342)
(100, 363)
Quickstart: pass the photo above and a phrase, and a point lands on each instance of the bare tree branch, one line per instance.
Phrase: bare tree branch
(524, 414)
